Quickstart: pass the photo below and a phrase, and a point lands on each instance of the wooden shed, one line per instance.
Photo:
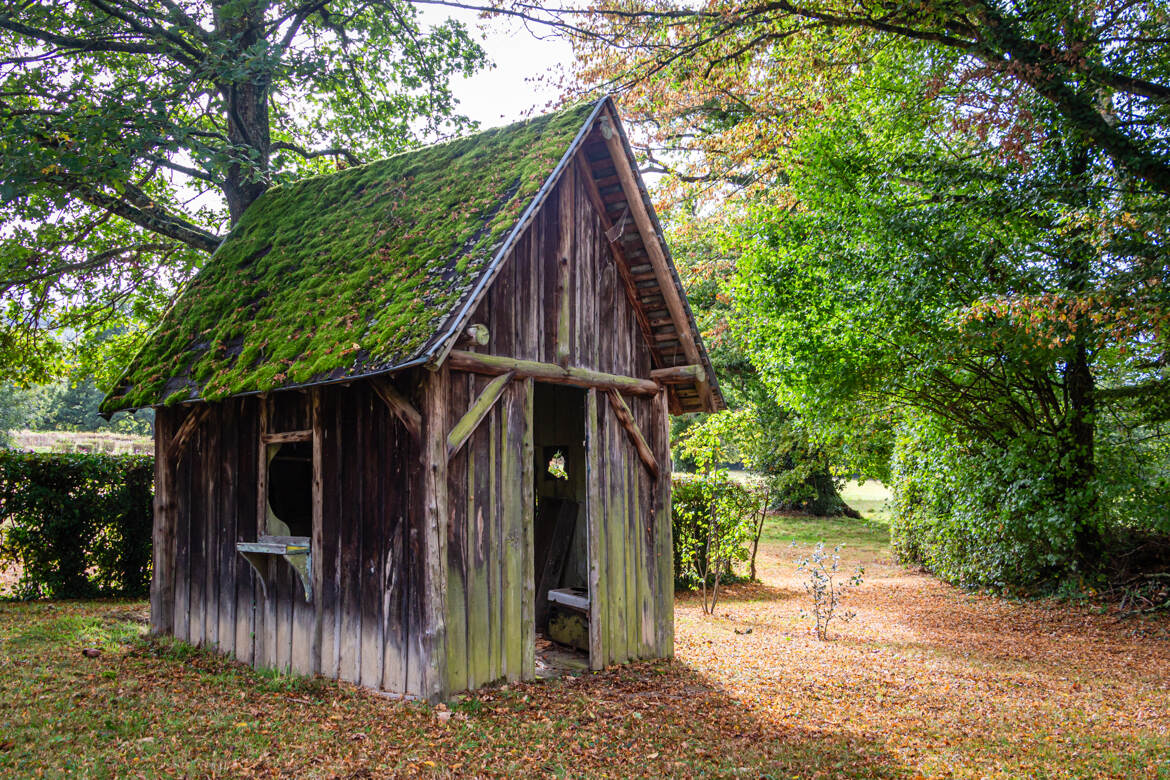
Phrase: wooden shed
(411, 409)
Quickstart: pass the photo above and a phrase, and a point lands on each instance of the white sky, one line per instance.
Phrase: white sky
(523, 74)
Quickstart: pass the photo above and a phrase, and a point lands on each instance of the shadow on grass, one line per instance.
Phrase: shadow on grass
(692, 727)
(168, 708)
(742, 593)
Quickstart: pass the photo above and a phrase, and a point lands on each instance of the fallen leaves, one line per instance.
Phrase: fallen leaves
(927, 682)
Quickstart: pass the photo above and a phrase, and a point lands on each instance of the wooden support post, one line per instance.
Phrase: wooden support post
(677, 375)
(466, 426)
(400, 406)
(626, 418)
(434, 595)
(528, 519)
(549, 372)
(654, 250)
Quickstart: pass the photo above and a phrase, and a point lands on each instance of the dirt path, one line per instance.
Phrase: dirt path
(939, 682)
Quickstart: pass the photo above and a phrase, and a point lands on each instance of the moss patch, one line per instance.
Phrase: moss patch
(346, 274)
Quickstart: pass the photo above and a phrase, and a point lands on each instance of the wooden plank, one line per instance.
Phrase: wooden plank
(316, 414)
(633, 560)
(212, 435)
(350, 532)
(247, 589)
(566, 236)
(626, 418)
(287, 437)
(527, 517)
(549, 372)
(434, 596)
(333, 513)
(598, 592)
(512, 519)
(615, 537)
(458, 514)
(483, 405)
(679, 374)
(197, 563)
(402, 451)
(494, 560)
(664, 593)
(657, 255)
(402, 408)
(229, 425)
(162, 581)
(371, 572)
(478, 560)
(265, 656)
(185, 486)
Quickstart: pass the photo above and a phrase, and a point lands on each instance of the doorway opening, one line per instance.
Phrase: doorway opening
(560, 540)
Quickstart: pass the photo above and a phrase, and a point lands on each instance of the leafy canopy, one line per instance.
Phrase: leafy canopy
(133, 133)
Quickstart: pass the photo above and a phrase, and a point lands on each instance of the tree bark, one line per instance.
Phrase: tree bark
(246, 104)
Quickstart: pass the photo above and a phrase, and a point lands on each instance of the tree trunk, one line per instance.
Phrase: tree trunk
(245, 101)
(827, 502)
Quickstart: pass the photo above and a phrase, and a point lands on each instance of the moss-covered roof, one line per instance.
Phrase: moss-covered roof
(347, 274)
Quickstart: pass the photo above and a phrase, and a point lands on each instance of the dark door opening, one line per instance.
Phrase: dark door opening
(560, 541)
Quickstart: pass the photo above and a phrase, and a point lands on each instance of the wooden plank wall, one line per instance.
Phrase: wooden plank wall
(364, 611)
(490, 628)
(630, 511)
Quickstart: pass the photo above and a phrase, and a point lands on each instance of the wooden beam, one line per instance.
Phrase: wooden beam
(286, 437)
(479, 410)
(197, 415)
(679, 375)
(162, 582)
(549, 372)
(654, 249)
(400, 406)
(626, 418)
(432, 634)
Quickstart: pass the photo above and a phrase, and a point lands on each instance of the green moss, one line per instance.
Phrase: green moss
(348, 273)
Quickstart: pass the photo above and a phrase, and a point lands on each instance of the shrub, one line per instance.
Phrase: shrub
(76, 525)
(712, 521)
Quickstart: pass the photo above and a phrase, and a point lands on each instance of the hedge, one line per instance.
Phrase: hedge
(76, 525)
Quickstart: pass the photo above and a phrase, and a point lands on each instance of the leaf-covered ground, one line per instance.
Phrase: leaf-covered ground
(927, 681)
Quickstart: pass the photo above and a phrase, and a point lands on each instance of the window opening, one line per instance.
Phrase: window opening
(290, 489)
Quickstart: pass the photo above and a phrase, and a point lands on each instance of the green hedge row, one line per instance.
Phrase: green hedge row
(76, 525)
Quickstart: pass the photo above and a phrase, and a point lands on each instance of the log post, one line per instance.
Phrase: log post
(434, 465)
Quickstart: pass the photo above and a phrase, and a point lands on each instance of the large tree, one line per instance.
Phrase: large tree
(134, 133)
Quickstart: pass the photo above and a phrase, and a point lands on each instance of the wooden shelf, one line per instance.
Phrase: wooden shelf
(297, 550)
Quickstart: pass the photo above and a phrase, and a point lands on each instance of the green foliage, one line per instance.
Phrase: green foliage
(990, 304)
(133, 133)
(76, 525)
(711, 525)
(70, 405)
(347, 273)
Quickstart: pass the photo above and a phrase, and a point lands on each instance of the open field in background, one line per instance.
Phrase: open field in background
(927, 681)
(78, 441)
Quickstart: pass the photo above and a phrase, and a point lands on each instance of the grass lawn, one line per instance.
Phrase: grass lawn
(927, 681)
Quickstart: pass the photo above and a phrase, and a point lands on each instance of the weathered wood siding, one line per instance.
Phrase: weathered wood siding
(577, 314)
(365, 615)
(490, 628)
